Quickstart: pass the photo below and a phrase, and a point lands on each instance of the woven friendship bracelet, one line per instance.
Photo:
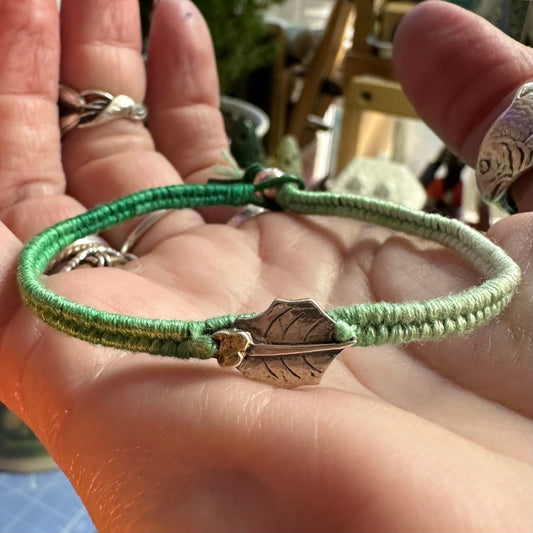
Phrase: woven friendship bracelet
(292, 342)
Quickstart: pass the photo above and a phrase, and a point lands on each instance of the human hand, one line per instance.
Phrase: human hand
(429, 437)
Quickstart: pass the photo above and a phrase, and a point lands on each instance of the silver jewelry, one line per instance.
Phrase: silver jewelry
(248, 212)
(507, 150)
(91, 251)
(91, 108)
(144, 225)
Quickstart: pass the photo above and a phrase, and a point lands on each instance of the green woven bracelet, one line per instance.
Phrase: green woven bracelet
(292, 342)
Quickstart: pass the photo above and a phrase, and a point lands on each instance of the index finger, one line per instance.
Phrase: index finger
(32, 179)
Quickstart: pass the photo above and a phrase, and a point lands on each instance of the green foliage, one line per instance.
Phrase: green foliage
(240, 37)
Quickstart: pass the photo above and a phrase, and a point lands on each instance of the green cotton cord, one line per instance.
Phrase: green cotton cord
(371, 324)
(164, 337)
(383, 322)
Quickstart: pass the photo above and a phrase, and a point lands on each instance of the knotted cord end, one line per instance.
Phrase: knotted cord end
(267, 181)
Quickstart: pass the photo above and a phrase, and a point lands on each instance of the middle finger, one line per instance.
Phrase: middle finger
(101, 50)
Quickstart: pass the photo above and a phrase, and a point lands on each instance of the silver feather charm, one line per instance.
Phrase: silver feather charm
(289, 345)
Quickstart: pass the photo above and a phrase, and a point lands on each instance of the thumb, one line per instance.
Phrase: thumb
(459, 71)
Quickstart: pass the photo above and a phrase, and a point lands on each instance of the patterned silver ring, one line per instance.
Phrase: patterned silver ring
(506, 152)
(92, 108)
(90, 251)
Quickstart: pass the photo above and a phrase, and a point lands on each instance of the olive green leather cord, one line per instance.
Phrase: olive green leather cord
(371, 324)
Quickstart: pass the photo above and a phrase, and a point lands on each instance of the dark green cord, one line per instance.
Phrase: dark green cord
(372, 324)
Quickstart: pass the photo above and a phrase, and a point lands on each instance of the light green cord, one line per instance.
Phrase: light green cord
(371, 324)
(384, 322)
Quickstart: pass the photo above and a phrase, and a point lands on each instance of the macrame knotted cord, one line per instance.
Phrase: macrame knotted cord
(372, 323)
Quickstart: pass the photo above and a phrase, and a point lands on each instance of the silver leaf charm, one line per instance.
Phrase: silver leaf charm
(289, 345)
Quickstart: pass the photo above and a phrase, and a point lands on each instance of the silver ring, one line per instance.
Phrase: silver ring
(507, 150)
(144, 225)
(248, 212)
(92, 108)
(91, 251)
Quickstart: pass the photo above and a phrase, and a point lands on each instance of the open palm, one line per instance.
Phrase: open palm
(428, 437)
